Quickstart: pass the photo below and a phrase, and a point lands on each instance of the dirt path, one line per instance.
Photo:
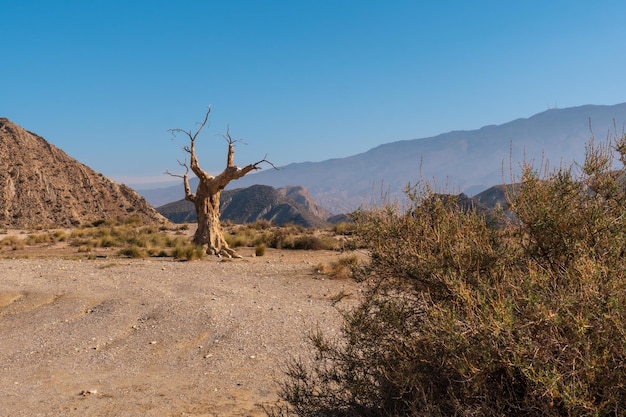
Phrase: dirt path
(118, 337)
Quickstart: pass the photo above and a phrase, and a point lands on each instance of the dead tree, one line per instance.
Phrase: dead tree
(206, 199)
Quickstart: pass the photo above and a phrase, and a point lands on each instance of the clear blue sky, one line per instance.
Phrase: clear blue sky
(296, 80)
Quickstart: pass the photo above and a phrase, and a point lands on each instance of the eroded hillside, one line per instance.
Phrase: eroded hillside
(41, 185)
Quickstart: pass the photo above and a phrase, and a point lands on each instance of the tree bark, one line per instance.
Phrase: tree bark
(206, 199)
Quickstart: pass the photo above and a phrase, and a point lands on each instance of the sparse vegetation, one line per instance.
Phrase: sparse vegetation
(284, 237)
(188, 252)
(463, 318)
(129, 236)
(132, 239)
(341, 268)
(296, 237)
(133, 251)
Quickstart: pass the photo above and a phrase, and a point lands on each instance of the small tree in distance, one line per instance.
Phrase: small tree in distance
(206, 199)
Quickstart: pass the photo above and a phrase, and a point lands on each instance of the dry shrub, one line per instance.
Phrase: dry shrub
(309, 242)
(188, 252)
(38, 238)
(244, 236)
(60, 236)
(344, 228)
(133, 252)
(135, 241)
(460, 318)
(300, 239)
(263, 232)
(262, 224)
(281, 238)
(341, 268)
(253, 234)
(259, 250)
(14, 242)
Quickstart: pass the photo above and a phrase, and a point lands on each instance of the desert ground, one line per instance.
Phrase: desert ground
(112, 336)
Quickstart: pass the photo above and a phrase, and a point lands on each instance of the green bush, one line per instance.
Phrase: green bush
(461, 318)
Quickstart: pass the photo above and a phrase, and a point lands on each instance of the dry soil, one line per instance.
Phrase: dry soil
(121, 337)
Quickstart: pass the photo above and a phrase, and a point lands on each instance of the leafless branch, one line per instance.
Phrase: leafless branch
(182, 164)
(192, 136)
(188, 194)
(204, 122)
(229, 138)
(173, 132)
(171, 174)
(267, 162)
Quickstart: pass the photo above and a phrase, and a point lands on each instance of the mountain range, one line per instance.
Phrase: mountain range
(468, 161)
(41, 185)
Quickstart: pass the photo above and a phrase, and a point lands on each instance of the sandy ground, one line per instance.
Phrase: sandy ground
(157, 337)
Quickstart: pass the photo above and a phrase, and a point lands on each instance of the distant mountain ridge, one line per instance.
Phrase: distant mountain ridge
(459, 161)
(40, 185)
(257, 202)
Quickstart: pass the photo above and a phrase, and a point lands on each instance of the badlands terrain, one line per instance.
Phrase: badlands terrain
(111, 336)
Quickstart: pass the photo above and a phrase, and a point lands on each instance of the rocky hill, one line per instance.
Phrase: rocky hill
(301, 196)
(496, 196)
(258, 202)
(40, 185)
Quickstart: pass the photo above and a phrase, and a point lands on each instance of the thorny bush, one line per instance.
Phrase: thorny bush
(464, 319)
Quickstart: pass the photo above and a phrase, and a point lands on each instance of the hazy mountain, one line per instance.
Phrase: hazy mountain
(257, 202)
(459, 161)
(40, 185)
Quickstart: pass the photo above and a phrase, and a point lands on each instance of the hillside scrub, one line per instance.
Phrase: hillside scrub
(462, 318)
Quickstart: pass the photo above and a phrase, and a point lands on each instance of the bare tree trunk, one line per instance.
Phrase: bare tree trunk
(209, 231)
(206, 200)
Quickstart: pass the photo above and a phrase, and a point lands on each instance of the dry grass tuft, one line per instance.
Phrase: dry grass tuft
(341, 268)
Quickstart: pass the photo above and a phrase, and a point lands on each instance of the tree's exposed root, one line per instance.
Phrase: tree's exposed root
(224, 251)
(230, 253)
